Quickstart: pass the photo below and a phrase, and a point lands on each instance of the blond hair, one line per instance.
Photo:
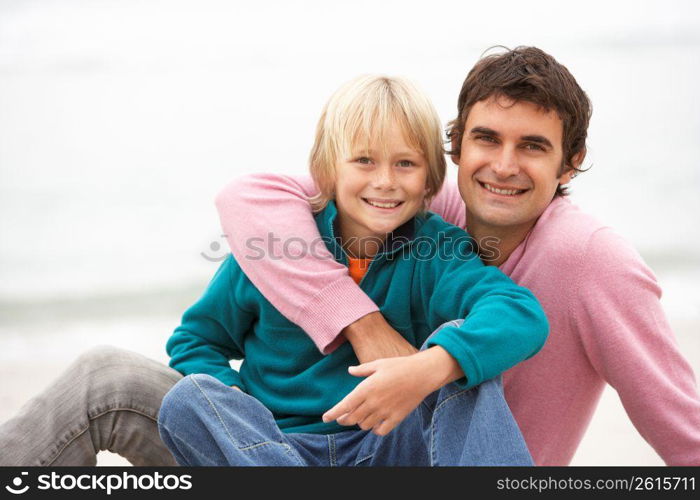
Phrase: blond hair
(366, 106)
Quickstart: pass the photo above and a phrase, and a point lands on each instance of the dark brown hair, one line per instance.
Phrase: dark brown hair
(527, 74)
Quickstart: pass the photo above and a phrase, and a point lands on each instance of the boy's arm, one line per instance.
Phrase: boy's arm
(629, 342)
(503, 325)
(212, 330)
(261, 214)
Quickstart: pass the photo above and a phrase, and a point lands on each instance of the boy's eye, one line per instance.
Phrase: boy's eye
(364, 160)
(405, 163)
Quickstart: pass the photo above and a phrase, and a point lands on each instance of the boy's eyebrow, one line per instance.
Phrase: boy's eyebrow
(403, 152)
(539, 139)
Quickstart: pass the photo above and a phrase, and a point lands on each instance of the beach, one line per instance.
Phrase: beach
(33, 355)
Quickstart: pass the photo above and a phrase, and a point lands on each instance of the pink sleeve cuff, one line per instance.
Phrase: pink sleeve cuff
(332, 309)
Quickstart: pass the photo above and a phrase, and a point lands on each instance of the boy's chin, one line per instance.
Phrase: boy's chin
(384, 229)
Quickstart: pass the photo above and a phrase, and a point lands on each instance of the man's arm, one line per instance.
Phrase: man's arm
(630, 344)
(262, 214)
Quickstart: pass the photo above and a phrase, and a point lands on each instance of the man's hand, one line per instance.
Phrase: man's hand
(393, 388)
(373, 338)
(237, 388)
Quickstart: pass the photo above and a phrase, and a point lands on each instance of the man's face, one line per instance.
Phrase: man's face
(510, 159)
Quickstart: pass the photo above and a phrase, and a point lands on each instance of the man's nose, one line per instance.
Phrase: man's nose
(506, 163)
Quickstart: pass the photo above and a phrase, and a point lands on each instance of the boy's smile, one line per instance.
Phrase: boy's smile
(509, 165)
(378, 188)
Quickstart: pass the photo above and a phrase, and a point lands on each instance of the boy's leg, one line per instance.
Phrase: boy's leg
(108, 399)
(453, 427)
(205, 422)
(472, 427)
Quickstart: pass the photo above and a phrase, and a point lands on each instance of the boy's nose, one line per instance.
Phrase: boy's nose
(384, 177)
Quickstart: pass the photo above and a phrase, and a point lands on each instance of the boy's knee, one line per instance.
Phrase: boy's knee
(178, 401)
(188, 394)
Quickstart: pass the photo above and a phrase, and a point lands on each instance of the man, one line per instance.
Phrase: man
(518, 139)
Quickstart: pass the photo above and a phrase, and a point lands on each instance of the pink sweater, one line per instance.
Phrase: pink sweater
(601, 300)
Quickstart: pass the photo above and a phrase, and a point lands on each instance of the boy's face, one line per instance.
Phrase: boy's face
(378, 190)
(509, 164)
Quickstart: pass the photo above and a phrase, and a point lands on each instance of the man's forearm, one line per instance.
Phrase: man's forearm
(373, 338)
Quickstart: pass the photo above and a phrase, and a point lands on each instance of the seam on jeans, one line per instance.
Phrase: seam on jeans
(221, 420)
(331, 450)
(203, 458)
(442, 403)
(432, 424)
(253, 446)
(364, 459)
(83, 431)
(291, 452)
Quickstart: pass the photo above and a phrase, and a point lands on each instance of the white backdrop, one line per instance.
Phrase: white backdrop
(120, 120)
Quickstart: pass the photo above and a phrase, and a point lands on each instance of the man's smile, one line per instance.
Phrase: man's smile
(509, 191)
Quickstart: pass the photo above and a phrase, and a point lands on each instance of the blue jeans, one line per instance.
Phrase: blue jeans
(204, 422)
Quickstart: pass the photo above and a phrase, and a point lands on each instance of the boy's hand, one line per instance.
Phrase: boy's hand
(393, 388)
(373, 338)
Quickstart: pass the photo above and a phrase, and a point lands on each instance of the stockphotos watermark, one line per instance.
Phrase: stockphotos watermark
(441, 246)
(106, 483)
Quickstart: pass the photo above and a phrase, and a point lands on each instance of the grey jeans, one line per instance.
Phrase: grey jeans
(108, 399)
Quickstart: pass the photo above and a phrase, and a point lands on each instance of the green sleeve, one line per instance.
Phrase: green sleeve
(503, 322)
(212, 330)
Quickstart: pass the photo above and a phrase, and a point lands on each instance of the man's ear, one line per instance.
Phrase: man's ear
(572, 167)
(456, 148)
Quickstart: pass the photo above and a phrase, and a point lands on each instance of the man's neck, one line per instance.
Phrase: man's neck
(496, 243)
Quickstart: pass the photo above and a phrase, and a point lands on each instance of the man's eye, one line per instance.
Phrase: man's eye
(485, 138)
(532, 146)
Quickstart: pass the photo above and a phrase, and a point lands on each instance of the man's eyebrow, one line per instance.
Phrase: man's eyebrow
(484, 130)
(539, 139)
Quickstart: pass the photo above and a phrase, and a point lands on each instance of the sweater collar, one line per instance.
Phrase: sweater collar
(327, 222)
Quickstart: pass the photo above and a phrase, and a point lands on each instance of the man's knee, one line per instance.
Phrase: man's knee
(117, 374)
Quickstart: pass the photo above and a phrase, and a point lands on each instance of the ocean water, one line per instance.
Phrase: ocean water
(121, 120)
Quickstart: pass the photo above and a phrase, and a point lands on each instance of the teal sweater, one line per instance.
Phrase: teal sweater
(427, 274)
